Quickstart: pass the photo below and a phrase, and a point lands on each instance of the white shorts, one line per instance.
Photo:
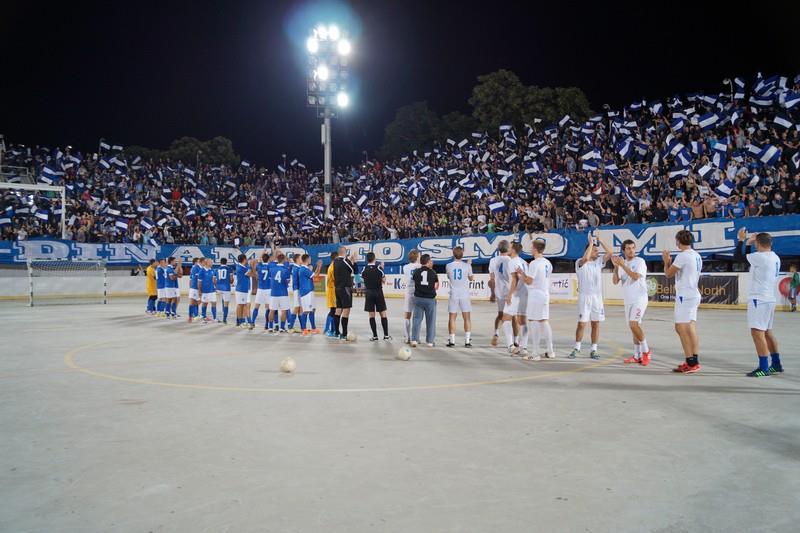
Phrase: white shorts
(686, 309)
(208, 297)
(279, 303)
(634, 311)
(194, 294)
(518, 305)
(500, 299)
(262, 297)
(242, 298)
(162, 293)
(459, 305)
(590, 308)
(173, 292)
(307, 302)
(408, 303)
(295, 298)
(538, 305)
(760, 314)
(225, 296)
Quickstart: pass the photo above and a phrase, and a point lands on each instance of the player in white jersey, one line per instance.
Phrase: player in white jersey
(589, 270)
(499, 281)
(459, 274)
(631, 271)
(516, 302)
(765, 268)
(408, 297)
(537, 281)
(686, 268)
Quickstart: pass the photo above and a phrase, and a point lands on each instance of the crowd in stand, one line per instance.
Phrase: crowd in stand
(687, 157)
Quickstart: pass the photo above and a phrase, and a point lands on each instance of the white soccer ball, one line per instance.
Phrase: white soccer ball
(351, 337)
(288, 365)
(404, 354)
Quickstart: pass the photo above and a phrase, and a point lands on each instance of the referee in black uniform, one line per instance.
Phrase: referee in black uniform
(343, 271)
(374, 302)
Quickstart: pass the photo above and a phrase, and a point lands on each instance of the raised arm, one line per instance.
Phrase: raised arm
(669, 268)
(616, 260)
(588, 252)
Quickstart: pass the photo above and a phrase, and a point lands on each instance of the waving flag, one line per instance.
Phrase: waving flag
(725, 188)
(497, 207)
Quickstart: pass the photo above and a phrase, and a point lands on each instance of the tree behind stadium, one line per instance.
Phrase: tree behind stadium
(498, 98)
(218, 150)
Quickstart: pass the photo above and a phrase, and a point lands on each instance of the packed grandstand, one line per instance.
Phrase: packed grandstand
(686, 157)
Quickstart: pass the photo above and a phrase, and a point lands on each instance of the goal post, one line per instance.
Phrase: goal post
(47, 188)
(67, 282)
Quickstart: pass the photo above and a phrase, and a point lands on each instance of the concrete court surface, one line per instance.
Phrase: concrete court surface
(114, 421)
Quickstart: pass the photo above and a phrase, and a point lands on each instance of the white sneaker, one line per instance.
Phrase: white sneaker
(550, 355)
(513, 350)
(429, 345)
(413, 344)
(536, 357)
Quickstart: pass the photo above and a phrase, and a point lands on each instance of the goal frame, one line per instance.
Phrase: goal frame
(31, 262)
(39, 187)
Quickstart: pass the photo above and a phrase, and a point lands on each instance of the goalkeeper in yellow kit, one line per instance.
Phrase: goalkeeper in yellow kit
(330, 299)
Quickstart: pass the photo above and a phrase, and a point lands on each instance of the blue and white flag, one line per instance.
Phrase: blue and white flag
(497, 207)
(454, 194)
(564, 121)
(770, 155)
(245, 163)
(754, 180)
(559, 184)
(201, 192)
(783, 121)
(725, 188)
(147, 223)
(705, 170)
(639, 180)
(188, 171)
(677, 125)
(361, 200)
(708, 121)
(121, 224)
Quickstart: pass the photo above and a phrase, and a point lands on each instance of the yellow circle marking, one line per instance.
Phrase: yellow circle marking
(69, 360)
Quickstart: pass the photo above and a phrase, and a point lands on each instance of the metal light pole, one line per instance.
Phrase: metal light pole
(326, 140)
(328, 77)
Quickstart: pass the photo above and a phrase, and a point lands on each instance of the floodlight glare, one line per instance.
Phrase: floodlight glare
(333, 32)
(344, 47)
(342, 100)
(322, 32)
(312, 44)
(322, 72)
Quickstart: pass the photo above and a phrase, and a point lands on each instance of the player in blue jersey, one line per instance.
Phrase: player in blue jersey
(161, 286)
(279, 292)
(207, 285)
(194, 293)
(223, 276)
(173, 293)
(305, 279)
(243, 276)
(296, 310)
(261, 274)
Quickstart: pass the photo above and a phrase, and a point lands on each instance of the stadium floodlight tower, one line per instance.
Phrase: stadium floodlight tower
(328, 79)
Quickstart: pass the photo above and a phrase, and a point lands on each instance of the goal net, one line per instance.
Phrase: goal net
(67, 282)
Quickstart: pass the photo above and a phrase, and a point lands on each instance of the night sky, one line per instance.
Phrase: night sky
(147, 72)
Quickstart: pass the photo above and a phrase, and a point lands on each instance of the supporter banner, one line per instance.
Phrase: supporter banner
(713, 289)
(715, 236)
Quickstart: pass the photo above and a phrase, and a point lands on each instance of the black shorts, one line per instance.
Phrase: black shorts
(344, 297)
(374, 302)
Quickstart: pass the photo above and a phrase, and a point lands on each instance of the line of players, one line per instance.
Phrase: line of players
(271, 278)
(522, 290)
